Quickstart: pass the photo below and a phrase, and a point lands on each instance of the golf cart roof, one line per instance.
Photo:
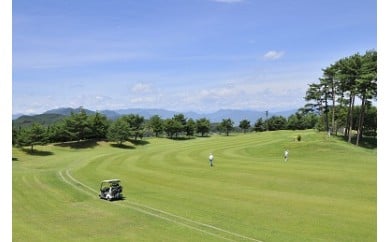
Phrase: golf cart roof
(111, 181)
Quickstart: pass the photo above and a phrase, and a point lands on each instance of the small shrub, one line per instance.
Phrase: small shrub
(299, 137)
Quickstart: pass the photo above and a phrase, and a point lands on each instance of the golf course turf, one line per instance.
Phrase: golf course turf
(326, 191)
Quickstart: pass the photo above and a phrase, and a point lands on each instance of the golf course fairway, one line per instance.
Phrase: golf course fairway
(326, 191)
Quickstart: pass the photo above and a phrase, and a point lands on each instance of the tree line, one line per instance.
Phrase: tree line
(80, 126)
(343, 83)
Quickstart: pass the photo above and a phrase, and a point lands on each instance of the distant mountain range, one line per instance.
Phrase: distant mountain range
(235, 115)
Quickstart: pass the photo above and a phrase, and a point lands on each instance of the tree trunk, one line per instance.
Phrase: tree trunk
(351, 118)
(349, 114)
(326, 115)
(321, 113)
(333, 106)
(361, 120)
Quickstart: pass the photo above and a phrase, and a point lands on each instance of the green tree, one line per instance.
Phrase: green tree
(294, 122)
(176, 125)
(99, 125)
(277, 123)
(244, 125)
(343, 81)
(349, 72)
(58, 132)
(156, 124)
(370, 121)
(136, 124)
(260, 125)
(318, 92)
(172, 127)
(366, 87)
(77, 126)
(33, 135)
(181, 119)
(190, 127)
(15, 132)
(310, 120)
(203, 126)
(329, 79)
(226, 126)
(119, 131)
(302, 120)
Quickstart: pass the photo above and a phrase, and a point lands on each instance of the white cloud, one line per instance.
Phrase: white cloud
(244, 93)
(273, 55)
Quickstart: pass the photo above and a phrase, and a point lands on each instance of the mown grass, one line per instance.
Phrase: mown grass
(325, 192)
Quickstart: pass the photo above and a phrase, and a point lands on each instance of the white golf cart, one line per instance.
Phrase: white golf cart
(110, 190)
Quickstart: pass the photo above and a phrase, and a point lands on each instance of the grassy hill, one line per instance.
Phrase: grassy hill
(326, 191)
(44, 119)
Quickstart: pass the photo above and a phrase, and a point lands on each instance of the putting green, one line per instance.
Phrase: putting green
(326, 191)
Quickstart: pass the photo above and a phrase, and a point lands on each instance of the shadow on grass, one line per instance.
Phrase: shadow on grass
(140, 142)
(367, 142)
(122, 146)
(182, 138)
(121, 199)
(36, 152)
(14, 159)
(115, 200)
(83, 144)
(203, 137)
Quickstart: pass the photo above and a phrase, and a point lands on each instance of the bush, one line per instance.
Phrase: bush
(299, 137)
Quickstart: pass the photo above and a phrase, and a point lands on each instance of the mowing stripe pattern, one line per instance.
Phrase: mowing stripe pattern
(326, 191)
(198, 226)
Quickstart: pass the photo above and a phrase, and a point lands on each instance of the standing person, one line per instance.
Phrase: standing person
(285, 155)
(211, 158)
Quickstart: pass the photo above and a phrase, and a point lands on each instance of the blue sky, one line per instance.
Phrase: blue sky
(181, 55)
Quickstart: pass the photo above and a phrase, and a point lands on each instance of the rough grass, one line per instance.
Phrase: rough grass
(325, 192)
